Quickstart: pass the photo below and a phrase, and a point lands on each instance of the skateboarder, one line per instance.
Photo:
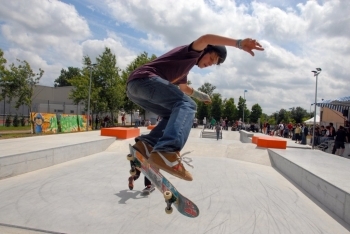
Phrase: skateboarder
(161, 87)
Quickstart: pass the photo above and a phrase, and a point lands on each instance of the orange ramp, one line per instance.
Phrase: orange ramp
(269, 142)
(121, 132)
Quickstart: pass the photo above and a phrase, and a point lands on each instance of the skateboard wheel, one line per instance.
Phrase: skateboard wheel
(167, 195)
(132, 172)
(129, 157)
(168, 211)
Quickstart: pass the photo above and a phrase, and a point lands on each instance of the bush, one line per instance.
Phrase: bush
(16, 121)
(23, 121)
(8, 121)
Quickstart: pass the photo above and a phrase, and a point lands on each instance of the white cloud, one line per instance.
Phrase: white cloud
(297, 39)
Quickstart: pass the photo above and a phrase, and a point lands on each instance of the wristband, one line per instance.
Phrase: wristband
(239, 44)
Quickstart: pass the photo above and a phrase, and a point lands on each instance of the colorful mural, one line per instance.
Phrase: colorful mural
(52, 123)
(44, 123)
(69, 123)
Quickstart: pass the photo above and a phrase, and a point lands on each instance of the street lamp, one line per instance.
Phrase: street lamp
(316, 73)
(244, 103)
(310, 108)
(88, 112)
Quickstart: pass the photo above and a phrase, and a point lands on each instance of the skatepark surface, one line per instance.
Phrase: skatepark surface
(236, 186)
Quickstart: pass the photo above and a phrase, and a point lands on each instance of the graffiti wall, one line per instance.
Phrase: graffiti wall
(52, 123)
(69, 123)
(44, 122)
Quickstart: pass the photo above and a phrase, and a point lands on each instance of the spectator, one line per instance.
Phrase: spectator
(290, 129)
(341, 137)
(281, 128)
(212, 123)
(97, 120)
(218, 130)
(297, 134)
(305, 133)
(195, 122)
(123, 120)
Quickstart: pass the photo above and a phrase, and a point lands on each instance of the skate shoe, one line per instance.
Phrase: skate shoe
(144, 148)
(148, 189)
(170, 162)
(131, 182)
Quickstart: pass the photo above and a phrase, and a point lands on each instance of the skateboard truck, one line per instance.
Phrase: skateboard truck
(169, 199)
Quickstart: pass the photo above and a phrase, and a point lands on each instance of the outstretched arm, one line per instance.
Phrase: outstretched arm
(247, 44)
(200, 96)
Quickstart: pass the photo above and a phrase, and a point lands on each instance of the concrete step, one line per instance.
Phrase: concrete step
(18, 156)
(324, 176)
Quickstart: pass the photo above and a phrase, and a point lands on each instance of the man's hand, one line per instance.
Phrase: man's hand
(200, 96)
(249, 45)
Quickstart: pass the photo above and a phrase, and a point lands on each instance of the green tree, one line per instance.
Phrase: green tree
(242, 107)
(81, 83)
(207, 88)
(21, 81)
(109, 81)
(140, 60)
(229, 109)
(3, 73)
(298, 114)
(255, 113)
(203, 110)
(66, 75)
(216, 106)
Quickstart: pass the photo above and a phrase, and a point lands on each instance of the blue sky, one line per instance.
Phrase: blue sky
(298, 36)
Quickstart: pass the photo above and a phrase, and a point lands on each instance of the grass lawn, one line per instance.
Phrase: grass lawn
(12, 128)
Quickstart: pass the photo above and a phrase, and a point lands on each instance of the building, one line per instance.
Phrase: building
(328, 115)
(45, 99)
(55, 100)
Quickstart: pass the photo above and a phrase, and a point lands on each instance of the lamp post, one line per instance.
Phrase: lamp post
(316, 73)
(310, 108)
(244, 103)
(88, 111)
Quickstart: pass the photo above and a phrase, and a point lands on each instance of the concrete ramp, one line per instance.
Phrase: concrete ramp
(90, 195)
(324, 176)
(235, 194)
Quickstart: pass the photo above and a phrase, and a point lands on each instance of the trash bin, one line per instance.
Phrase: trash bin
(153, 121)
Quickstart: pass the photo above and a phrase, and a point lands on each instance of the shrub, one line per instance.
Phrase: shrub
(16, 121)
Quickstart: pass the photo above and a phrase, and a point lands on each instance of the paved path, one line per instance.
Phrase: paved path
(235, 194)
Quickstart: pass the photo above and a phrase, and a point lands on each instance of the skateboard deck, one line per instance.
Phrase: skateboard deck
(172, 197)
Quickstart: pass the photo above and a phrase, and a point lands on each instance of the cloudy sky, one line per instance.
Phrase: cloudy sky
(298, 36)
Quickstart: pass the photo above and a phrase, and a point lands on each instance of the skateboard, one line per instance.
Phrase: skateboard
(172, 197)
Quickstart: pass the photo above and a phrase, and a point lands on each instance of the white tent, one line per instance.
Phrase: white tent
(311, 121)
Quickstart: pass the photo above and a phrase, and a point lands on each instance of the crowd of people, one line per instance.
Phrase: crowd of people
(300, 131)
(226, 124)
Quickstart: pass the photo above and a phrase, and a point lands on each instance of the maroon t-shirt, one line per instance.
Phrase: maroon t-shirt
(172, 66)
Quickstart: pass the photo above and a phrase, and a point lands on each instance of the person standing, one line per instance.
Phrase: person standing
(123, 120)
(218, 130)
(340, 138)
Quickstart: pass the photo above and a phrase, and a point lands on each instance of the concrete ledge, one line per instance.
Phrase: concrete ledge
(16, 164)
(245, 137)
(323, 176)
(120, 132)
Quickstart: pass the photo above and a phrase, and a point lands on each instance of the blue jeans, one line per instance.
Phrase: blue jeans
(169, 102)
